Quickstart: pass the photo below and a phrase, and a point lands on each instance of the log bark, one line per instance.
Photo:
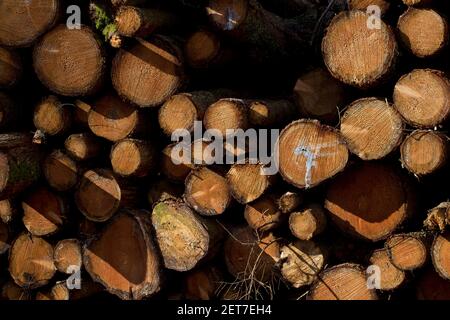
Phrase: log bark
(318, 95)
(31, 261)
(52, 117)
(181, 110)
(132, 157)
(372, 128)
(127, 267)
(44, 212)
(70, 62)
(147, 74)
(342, 282)
(440, 254)
(114, 119)
(10, 112)
(268, 113)
(263, 214)
(369, 201)
(99, 195)
(345, 47)
(424, 152)
(207, 192)
(408, 251)
(19, 167)
(424, 32)
(22, 22)
(226, 114)
(60, 171)
(183, 237)
(422, 97)
(310, 153)
(83, 146)
(438, 218)
(390, 276)
(301, 262)
(308, 223)
(11, 68)
(68, 256)
(247, 182)
(141, 22)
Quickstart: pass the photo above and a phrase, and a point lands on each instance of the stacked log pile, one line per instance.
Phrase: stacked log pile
(98, 200)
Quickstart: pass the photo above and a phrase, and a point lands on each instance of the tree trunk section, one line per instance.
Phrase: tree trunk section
(308, 223)
(60, 171)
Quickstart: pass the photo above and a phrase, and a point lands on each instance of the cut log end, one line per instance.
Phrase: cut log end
(422, 97)
(75, 67)
(391, 276)
(226, 114)
(31, 261)
(310, 153)
(364, 4)
(407, 251)
(369, 201)
(440, 253)
(61, 172)
(345, 47)
(67, 255)
(10, 68)
(52, 117)
(207, 192)
(308, 223)
(131, 157)
(342, 282)
(202, 48)
(98, 195)
(8, 210)
(423, 32)
(263, 214)
(438, 218)
(424, 152)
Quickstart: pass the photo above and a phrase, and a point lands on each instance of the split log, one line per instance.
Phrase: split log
(8, 210)
(440, 254)
(44, 212)
(10, 68)
(207, 192)
(438, 217)
(346, 44)
(251, 259)
(99, 195)
(69, 62)
(422, 97)
(147, 74)
(310, 153)
(57, 292)
(318, 95)
(4, 237)
(114, 119)
(52, 117)
(288, 201)
(11, 291)
(203, 283)
(372, 128)
(175, 171)
(268, 113)
(424, 32)
(128, 267)
(68, 256)
(247, 182)
(132, 157)
(308, 223)
(263, 214)
(19, 167)
(424, 152)
(181, 110)
(342, 282)
(60, 171)
(204, 49)
(83, 146)
(141, 22)
(22, 21)
(369, 201)
(31, 261)
(9, 110)
(432, 287)
(301, 262)
(364, 4)
(226, 115)
(408, 251)
(390, 276)
(184, 238)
